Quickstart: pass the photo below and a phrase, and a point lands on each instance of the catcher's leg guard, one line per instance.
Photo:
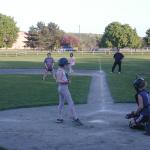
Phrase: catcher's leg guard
(148, 127)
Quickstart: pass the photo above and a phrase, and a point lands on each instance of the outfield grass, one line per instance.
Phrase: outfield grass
(120, 85)
(36, 61)
(29, 90)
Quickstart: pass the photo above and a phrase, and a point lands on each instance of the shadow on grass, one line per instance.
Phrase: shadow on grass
(85, 65)
(24, 91)
(20, 65)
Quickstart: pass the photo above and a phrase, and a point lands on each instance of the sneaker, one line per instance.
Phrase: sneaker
(59, 121)
(78, 122)
(119, 72)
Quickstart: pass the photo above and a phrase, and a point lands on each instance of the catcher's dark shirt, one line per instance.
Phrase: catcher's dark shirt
(146, 102)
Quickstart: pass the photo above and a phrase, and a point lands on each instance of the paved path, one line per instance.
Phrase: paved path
(105, 127)
(21, 71)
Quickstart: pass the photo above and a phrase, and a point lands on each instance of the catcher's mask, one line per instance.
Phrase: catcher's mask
(139, 83)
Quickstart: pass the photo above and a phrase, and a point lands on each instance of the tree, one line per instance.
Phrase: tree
(44, 36)
(120, 36)
(32, 38)
(147, 38)
(55, 35)
(136, 41)
(8, 31)
(88, 40)
(70, 40)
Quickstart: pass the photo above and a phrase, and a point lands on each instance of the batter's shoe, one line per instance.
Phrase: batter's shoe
(77, 122)
(59, 121)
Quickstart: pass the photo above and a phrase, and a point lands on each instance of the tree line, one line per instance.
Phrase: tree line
(120, 36)
(50, 36)
(8, 31)
(44, 36)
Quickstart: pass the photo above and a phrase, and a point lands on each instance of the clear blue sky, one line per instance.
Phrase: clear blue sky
(92, 15)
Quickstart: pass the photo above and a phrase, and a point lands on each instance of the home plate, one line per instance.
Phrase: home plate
(98, 121)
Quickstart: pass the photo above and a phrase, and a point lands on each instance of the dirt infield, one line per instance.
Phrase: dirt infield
(104, 125)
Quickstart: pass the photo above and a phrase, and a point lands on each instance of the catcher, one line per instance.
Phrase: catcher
(139, 119)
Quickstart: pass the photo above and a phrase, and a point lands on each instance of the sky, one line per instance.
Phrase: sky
(92, 15)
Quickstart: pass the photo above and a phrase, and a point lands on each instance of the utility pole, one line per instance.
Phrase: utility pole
(80, 34)
(79, 29)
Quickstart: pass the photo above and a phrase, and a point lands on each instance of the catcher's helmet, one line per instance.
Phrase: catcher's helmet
(63, 61)
(139, 83)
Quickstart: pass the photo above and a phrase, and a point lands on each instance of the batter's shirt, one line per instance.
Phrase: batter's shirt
(61, 75)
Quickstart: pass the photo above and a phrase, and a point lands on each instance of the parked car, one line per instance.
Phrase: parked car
(67, 48)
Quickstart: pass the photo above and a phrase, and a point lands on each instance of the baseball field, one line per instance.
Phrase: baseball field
(30, 90)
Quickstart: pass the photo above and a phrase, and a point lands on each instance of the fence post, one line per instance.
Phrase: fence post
(93, 52)
(131, 51)
(142, 52)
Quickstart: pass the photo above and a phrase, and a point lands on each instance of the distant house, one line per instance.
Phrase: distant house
(19, 44)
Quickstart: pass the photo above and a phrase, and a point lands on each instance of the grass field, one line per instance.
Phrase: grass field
(29, 90)
(36, 61)
(120, 85)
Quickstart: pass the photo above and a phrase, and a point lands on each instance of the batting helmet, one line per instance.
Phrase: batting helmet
(63, 62)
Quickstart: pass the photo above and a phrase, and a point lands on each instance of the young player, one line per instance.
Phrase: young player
(72, 63)
(118, 61)
(64, 93)
(49, 66)
(141, 116)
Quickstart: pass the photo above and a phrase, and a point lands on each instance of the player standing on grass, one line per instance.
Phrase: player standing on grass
(118, 60)
(72, 63)
(63, 81)
(49, 66)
